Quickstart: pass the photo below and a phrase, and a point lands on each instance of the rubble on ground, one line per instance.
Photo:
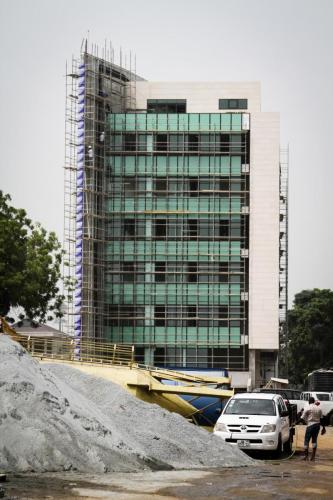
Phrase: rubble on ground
(54, 417)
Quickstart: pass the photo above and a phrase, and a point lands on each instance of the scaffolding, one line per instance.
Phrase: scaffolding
(70, 190)
(283, 296)
(95, 86)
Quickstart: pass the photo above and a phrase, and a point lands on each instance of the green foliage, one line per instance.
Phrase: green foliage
(310, 325)
(30, 260)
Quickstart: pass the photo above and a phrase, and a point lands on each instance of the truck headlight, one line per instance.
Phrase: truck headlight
(220, 427)
(268, 428)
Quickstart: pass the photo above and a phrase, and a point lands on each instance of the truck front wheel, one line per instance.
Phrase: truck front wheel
(287, 447)
(278, 452)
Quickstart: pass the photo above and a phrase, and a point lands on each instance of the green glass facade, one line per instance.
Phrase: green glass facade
(176, 231)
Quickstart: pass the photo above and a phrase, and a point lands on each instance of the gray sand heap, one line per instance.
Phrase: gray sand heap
(54, 417)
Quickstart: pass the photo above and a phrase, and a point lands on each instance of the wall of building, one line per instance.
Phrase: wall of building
(202, 97)
(264, 232)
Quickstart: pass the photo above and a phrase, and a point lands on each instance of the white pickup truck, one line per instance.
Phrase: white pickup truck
(326, 403)
(256, 421)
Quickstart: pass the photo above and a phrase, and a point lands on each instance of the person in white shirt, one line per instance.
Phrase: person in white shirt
(312, 416)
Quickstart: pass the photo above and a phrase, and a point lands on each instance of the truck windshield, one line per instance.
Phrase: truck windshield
(323, 397)
(250, 407)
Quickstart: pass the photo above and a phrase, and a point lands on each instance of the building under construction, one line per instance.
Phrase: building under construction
(175, 218)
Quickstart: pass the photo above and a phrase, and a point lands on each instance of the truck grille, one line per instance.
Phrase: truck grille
(244, 428)
(253, 441)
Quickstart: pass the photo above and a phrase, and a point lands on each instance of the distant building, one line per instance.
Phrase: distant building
(37, 330)
(42, 338)
(176, 219)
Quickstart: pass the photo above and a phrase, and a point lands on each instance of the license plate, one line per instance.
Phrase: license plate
(243, 443)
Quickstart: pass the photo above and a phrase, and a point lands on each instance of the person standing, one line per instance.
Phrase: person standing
(312, 416)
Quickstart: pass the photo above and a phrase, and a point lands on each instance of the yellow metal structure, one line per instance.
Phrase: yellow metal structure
(116, 363)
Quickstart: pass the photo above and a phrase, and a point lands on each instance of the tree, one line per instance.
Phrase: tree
(30, 260)
(310, 325)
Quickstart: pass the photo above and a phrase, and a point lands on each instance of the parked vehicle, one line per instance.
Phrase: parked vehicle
(320, 380)
(318, 395)
(326, 403)
(256, 421)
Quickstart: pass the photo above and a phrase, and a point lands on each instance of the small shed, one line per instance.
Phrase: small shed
(43, 338)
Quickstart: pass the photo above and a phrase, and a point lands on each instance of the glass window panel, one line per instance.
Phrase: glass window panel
(141, 121)
(116, 142)
(204, 164)
(226, 121)
(232, 103)
(236, 121)
(176, 142)
(141, 164)
(142, 142)
(193, 121)
(225, 165)
(129, 185)
(173, 165)
(183, 121)
(161, 162)
(204, 142)
(141, 229)
(236, 186)
(193, 162)
(235, 143)
(235, 165)
(120, 121)
(141, 184)
(223, 103)
(129, 228)
(161, 142)
(162, 122)
(205, 185)
(149, 143)
(204, 121)
(205, 228)
(174, 229)
(215, 121)
(151, 121)
(173, 122)
(130, 121)
(129, 164)
(192, 142)
(161, 186)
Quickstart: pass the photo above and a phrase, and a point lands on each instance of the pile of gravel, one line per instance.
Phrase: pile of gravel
(54, 417)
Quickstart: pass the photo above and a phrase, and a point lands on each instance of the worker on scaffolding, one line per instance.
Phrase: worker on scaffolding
(313, 417)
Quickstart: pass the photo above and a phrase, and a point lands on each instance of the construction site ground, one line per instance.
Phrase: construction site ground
(283, 479)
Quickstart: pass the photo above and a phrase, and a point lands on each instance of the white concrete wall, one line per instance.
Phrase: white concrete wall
(264, 232)
(202, 97)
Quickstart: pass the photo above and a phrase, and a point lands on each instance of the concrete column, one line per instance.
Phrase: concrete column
(149, 355)
(254, 368)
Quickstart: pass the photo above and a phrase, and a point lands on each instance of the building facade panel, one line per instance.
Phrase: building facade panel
(264, 232)
(201, 97)
(177, 222)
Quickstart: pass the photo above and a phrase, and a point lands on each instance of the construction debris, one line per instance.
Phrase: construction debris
(53, 418)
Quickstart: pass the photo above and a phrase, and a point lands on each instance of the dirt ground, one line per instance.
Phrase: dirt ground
(287, 478)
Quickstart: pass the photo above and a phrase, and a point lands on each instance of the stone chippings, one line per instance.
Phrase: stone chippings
(54, 418)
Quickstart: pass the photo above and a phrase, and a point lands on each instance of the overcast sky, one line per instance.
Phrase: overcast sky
(284, 44)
